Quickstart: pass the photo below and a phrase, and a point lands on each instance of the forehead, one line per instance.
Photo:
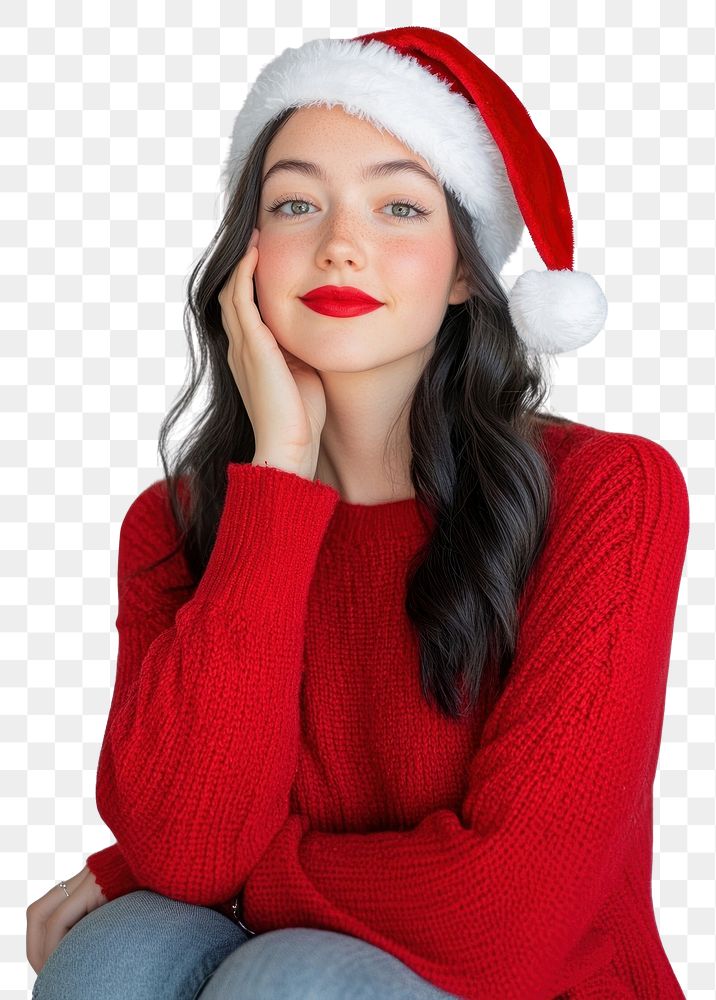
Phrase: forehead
(321, 135)
(313, 136)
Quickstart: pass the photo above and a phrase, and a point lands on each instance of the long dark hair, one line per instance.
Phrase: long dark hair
(477, 465)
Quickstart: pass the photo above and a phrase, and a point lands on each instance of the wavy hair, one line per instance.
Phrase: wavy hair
(476, 463)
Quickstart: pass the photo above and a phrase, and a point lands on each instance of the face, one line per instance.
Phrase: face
(347, 230)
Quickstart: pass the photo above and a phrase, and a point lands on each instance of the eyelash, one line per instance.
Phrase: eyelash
(422, 212)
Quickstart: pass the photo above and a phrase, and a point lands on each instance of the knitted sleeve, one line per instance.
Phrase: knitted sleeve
(201, 742)
(495, 899)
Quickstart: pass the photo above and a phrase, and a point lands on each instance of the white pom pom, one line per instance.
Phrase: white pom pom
(556, 311)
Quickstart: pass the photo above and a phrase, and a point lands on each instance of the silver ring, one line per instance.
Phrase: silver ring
(67, 893)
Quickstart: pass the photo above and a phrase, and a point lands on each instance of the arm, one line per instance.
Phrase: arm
(496, 898)
(201, 742)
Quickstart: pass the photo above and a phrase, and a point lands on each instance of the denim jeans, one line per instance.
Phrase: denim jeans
(145, 946)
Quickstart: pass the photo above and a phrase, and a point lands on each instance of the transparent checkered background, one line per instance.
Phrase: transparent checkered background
(114, 122)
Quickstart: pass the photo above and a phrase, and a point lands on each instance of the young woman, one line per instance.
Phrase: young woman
(394, 642)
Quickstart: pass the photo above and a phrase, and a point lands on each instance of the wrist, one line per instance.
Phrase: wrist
(274, 460)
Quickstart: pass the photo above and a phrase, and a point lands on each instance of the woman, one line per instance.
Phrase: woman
(386, 719)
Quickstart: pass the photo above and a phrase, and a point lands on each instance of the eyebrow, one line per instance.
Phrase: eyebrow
(385, 168)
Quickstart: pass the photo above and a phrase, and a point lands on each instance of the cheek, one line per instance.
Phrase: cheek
(273, 283)
(271, 276)
(425, 264)
(271, 262)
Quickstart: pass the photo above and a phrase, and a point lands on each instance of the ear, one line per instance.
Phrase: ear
(460, 287)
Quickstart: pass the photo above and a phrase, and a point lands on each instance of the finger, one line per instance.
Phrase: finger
(46, 904)
(247, 313)
(229, 287)
(66, 915)
(35, 940)
(229, 314)
(38, 914)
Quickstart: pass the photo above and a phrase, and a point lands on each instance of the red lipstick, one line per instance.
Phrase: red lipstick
(339, 300)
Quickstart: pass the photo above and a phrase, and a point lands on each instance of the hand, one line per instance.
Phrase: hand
(283, 396)
(51, 916)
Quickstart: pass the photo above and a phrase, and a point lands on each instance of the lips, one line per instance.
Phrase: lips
(343, 301)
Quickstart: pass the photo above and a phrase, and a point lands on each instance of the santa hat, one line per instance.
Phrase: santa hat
(438, 98)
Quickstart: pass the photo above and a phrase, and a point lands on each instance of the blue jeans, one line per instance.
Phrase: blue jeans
(145, 946)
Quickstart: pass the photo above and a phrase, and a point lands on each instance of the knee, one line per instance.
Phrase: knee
(305, 963)
(138, 945)
(99, 945)
(293, 963)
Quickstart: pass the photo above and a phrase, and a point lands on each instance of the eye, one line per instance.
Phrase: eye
(295, 200)
(422, 213)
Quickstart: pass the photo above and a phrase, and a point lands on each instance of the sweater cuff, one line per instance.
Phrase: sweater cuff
(111, 872)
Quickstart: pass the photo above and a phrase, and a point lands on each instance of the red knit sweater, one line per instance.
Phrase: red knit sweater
(267, 732)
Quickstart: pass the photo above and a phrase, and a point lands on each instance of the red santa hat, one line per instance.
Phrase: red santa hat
(438, 98)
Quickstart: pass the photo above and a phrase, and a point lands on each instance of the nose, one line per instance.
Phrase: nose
(338, 247)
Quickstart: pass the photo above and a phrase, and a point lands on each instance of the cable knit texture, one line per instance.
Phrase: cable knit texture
(268, 736)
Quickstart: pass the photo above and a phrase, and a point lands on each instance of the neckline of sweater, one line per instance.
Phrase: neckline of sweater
(356, 523)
